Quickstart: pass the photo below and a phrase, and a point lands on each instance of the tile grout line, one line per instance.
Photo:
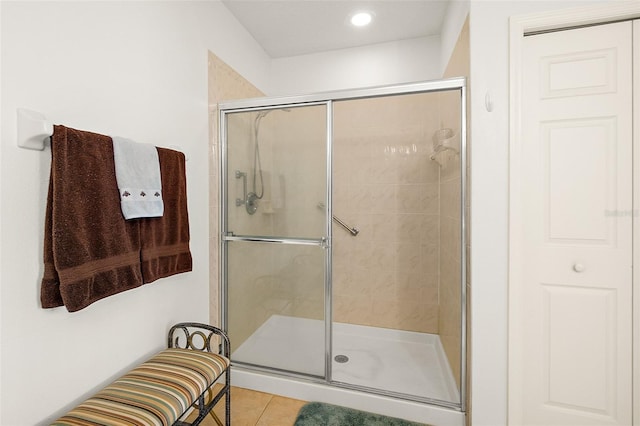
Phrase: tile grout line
(264, 409)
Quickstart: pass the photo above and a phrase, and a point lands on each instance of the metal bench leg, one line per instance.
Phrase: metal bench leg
(227, 398)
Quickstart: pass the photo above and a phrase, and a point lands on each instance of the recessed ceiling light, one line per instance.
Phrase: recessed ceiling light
(361, 19)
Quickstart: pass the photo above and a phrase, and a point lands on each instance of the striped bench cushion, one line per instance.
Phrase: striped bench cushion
(157, 392)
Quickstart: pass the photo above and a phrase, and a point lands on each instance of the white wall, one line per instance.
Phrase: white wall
(404, 61)
(1, 285)
(489, 26)
(136, 69)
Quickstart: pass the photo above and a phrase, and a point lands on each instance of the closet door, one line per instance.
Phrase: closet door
(575, 286)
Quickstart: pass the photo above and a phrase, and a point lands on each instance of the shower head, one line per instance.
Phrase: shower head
(262, 114)
(257, 164)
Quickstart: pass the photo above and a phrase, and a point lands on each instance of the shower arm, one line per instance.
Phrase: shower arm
(352, 230)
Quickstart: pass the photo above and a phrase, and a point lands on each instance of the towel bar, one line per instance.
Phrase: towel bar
(34, 130)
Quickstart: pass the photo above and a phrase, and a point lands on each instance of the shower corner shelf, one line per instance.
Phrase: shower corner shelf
(267, 207)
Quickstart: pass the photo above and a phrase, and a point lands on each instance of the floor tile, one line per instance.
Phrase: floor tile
(246, 407)
(280, 411)
(253, 408)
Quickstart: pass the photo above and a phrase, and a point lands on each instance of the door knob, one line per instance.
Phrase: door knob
(578, 267)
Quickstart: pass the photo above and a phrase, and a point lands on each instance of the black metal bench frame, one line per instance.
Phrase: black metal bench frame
(206, 338)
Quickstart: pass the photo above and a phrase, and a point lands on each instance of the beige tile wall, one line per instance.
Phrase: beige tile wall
(450, 233)
(299, 143)
(385, 184)
(224, 84)
(450, 263)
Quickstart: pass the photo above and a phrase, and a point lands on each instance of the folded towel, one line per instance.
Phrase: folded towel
(138, 176)
(165, 240)
(90, 250)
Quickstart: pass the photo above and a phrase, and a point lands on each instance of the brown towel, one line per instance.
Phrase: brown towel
(165, 240)
(90, 250)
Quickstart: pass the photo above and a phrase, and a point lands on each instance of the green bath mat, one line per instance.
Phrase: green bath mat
(321, 414)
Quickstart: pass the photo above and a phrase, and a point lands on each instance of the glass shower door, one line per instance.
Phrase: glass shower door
(275, 237)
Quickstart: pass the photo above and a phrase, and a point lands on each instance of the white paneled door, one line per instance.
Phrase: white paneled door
(574, 286)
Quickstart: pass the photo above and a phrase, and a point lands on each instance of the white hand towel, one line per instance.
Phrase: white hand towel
(138, 177)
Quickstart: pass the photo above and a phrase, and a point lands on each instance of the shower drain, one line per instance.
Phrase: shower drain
(341, 358)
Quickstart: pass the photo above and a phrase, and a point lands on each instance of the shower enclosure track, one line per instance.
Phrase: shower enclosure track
(362, 396)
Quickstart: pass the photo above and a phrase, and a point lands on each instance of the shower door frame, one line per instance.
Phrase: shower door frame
(327, 98)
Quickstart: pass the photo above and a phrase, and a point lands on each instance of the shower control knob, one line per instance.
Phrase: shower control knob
(578, 267)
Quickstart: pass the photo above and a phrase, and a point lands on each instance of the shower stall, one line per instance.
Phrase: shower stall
(343, 243)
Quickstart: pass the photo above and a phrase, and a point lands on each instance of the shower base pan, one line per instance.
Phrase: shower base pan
(396, 361)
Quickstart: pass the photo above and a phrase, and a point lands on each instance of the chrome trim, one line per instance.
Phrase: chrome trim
(376, 91)
(267, 105)
(257, 239)
(463, 248)
(222, 221)
(328, 273)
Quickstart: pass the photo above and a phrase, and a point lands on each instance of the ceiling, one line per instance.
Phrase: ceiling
(297, 27)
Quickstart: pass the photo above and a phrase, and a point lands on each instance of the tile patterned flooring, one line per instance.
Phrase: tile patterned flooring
(253, 408)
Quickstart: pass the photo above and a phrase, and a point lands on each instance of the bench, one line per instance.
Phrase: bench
(162, 390)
